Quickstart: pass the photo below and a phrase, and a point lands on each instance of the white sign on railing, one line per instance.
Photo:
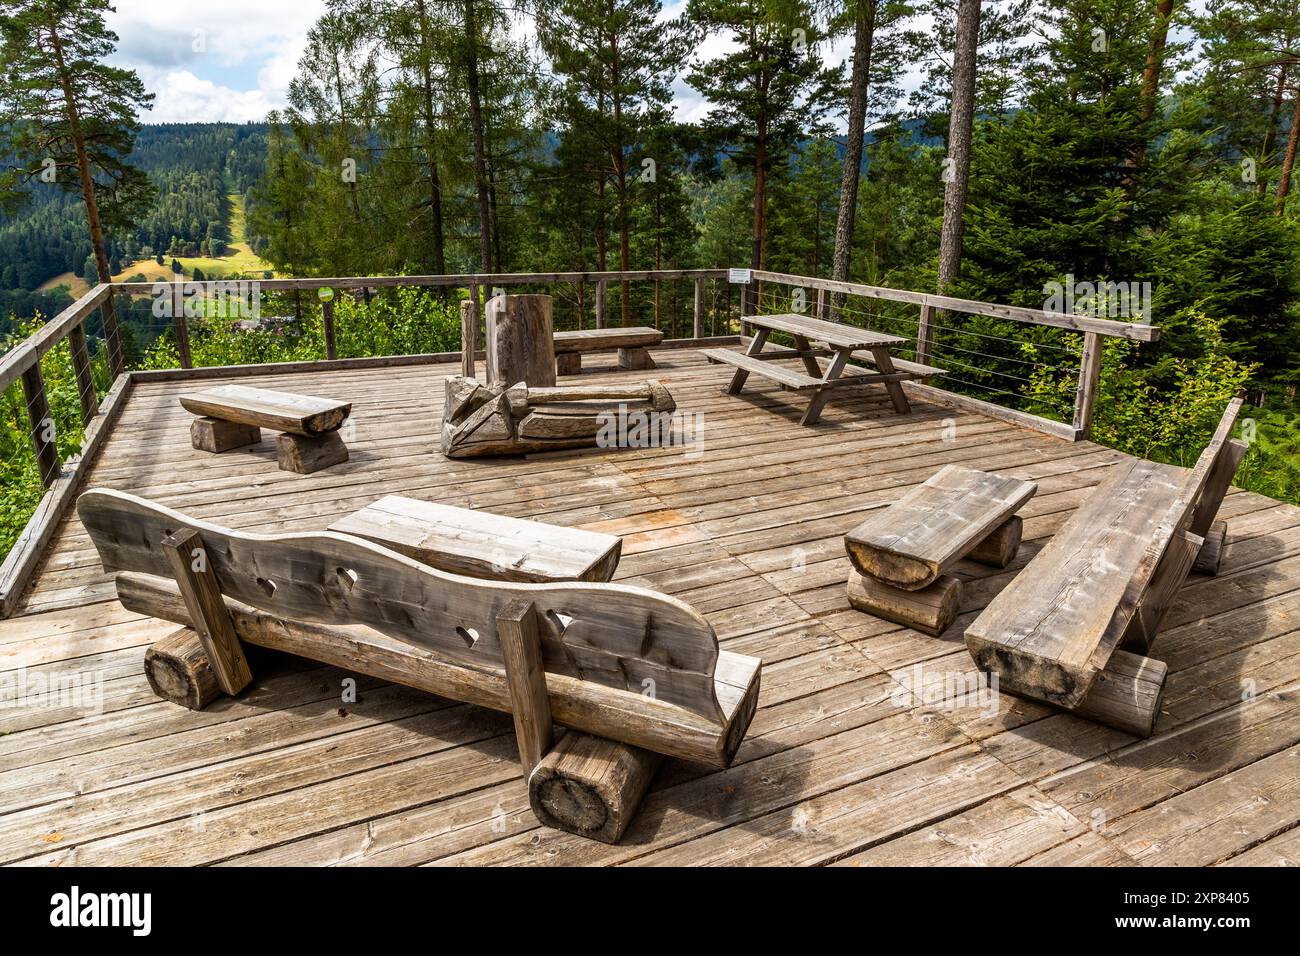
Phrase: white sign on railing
(738, 276)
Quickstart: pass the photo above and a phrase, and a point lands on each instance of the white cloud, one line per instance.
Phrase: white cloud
(230, 61)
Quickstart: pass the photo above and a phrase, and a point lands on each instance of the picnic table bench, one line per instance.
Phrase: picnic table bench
(840, 342)
(630, 343)
(1106, 579)
(634, 674)
(900, 553)
(231, 416)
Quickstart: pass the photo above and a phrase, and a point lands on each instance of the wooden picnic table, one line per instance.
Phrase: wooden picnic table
(839, 342)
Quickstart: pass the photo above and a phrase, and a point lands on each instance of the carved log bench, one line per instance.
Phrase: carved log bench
(231, 416)
(1104, 583)
(639, 670)
(484, 545)
(900, 554)
(631, 344)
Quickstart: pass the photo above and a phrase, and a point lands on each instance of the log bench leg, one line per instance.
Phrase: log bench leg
(930, 610)
(636, 359)
(1000, 547)
(218, 435)
(306, 455)
(1211, 553)
(178, 670)
(1127, 694)
(568, 363)
(591, 786)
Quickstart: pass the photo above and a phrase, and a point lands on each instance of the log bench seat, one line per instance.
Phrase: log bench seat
(1105, 581)
(231, 416)
(630, 343)
(482, 544)
(900, 554)
(633, 674)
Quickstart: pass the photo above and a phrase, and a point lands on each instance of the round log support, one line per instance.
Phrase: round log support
(178, 670)
(930, 610)
(591, 786)
(520, 341)
(999, 548)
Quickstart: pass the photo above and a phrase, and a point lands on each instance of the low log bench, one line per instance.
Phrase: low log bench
(231, 416)
(634, 674)
(900, 554)
(484, 545)
(1101, 587)
(630, 343)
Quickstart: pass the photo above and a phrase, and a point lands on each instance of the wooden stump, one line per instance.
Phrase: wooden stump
(178, 670)
(930, 609)
(468, 336)
(218, 435)
(520, 347)
(591, 786)
(1127, 694)
(999, 548)
(636, 359)
(568, 363)
(1211, 553)
(305, 455)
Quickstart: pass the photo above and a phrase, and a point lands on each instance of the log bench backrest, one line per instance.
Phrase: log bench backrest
(615, 635)
(1053, 629)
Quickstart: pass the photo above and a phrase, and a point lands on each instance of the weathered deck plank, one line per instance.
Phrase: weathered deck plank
(837, 767)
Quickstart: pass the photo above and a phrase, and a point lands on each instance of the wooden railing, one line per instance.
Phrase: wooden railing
(62, 480)
(929, 304)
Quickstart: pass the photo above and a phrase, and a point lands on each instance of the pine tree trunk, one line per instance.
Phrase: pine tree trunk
(430, 124)
(863, 40)
(1288, 162)
(1274, 114)
(112, 338)
(960, 124)
(1151, 72)
(476, 124)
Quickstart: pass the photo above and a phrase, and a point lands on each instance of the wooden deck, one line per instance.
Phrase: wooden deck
(836, 769)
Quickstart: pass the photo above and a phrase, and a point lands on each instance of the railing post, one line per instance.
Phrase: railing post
(42, 425)
(112, 337)
(600, 303)
(468, 334)
(821, 304)
(1085, 397)
(182, 327)
(83, 373)
(327, 318)
(924, 334)
(697, 325)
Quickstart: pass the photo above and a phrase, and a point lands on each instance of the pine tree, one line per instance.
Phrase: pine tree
(68, 111)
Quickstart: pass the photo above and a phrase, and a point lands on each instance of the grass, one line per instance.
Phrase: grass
(239, 258)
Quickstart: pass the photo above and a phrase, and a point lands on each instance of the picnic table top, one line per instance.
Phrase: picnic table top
(834, 334)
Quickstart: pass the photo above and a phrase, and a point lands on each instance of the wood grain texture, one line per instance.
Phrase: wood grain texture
(1126, 695)
(306, 455)
(526, 681)
(930, 609)
(610, 634)
(520, 340)
(913, 541)
(217, 435)
(606, 340)
(591, 786)
(189, 559)
(178, 669)
(616, 714)
(482, 544)
(1210, 557)
(999, 549)
(266, 408)
(1052, 629)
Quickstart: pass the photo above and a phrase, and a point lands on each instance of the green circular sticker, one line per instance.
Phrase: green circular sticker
(325, 293)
